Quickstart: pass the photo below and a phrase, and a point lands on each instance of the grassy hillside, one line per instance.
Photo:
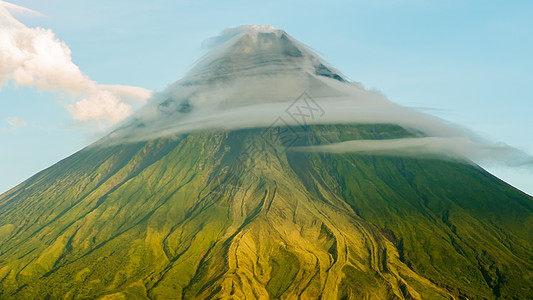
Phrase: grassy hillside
(240, 214)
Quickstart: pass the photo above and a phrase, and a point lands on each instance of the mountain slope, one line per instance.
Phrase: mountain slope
(197, 217)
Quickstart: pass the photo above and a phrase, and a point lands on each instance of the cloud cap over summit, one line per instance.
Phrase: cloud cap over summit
(252, 74)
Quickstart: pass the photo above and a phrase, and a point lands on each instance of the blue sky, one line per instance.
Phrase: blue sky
(468, 62)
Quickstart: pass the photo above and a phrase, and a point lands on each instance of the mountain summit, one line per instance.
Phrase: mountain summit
(249, 77)
(213, 190)
(249, 71)
(253, 50)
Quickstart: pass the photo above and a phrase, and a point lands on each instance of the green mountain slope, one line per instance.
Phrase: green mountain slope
(239, 214)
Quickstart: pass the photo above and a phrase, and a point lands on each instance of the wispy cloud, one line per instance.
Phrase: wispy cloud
(239, 84)
(36, 57)
(15, 122)
(443, 147)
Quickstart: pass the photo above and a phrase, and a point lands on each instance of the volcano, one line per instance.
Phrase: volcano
(219, 189)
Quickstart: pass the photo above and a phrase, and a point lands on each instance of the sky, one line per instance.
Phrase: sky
(468, 62)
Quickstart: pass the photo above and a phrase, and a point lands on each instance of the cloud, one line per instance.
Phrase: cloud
(447, 147)
(100, 105)
(253, 76)
(36, 57)
(16, 122)
(7, 20)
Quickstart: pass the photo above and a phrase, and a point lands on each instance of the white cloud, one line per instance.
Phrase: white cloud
(36, 57)
(126, 91)
(101, 105)
(16, 122)
(7, 20)
(451, 147)
(240, 85)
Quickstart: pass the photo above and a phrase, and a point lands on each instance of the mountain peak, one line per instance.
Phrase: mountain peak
(252, 49)
(244, 66)
(251, 28)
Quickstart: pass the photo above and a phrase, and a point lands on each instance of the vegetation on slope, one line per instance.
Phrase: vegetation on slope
(220, 214)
